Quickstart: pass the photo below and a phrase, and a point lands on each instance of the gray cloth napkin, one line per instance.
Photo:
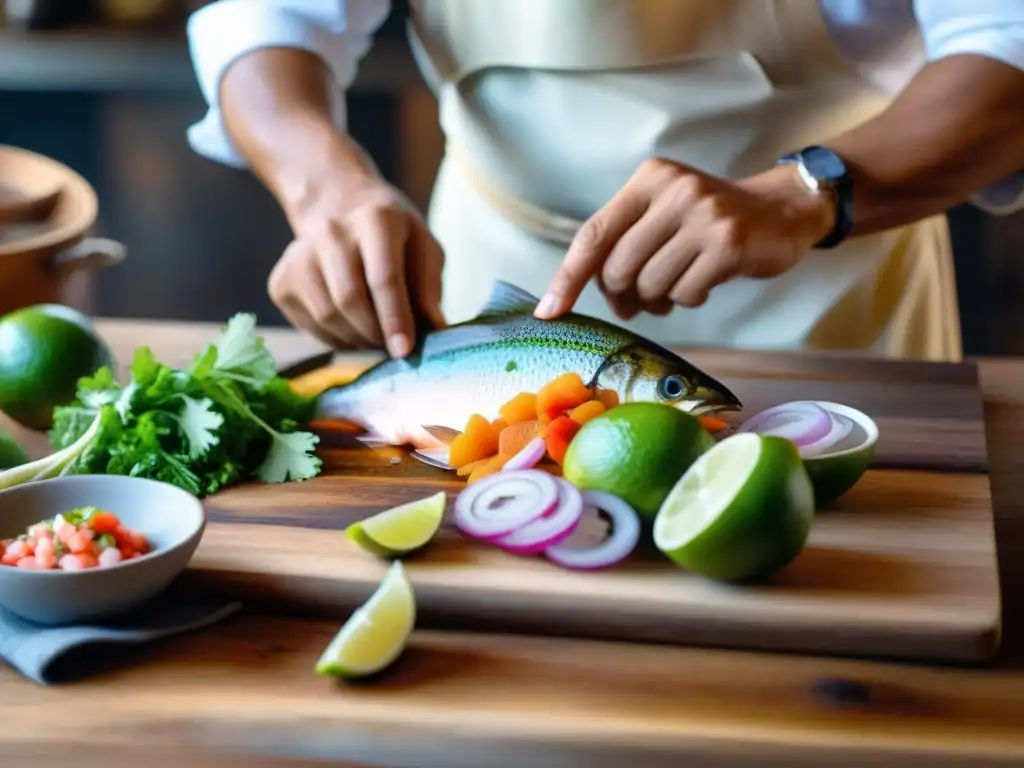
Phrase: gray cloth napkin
(50, 655)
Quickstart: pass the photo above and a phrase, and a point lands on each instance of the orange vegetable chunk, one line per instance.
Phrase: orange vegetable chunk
(563, 394)
(499, 424)
(522, 407)
(558, 434)
(581, 414)
(478, 441)
(515, 437)
(493, 465)
(468, 469)
(711, 424)
(609, 397)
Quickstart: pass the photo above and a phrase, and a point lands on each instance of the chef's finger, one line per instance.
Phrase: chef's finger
(291, 282)
(346, 285)
(383, 241)
(710, 269)
(425, 261)
(661, 273)
(316, 303)
(637, 246)
(590, 248)
(660, 307)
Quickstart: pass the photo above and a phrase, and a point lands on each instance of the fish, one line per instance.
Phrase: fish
(424, 399)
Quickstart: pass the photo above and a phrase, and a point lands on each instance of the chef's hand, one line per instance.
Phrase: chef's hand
(672, 234)
(361, 261)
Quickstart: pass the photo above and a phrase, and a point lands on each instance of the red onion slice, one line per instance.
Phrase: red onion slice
(549, 530)
(500, 503)
(804, 422)
(841, 428)
(612, 549)
(528, 457)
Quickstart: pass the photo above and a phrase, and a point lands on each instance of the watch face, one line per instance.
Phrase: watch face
(823, 164)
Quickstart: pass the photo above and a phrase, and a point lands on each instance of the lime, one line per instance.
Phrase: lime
(11, 453)
(400, 530)
(376, 633)
(44, 350)
(837, 471)
(743, 509)
(637, 452)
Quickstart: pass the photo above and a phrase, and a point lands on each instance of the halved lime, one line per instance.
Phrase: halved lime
(838, 470)
(376, 633)
(402, 529)
(743, 509)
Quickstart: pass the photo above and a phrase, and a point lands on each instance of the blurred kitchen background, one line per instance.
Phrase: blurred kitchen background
(106, 87)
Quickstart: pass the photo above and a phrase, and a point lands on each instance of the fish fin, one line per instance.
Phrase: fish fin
(444, 434)
(458, 337)
(507, 299)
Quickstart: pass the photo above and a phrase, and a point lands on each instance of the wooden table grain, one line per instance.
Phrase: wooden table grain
(243, 693)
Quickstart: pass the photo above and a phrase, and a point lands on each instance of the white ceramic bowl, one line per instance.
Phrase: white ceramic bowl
(171, 519)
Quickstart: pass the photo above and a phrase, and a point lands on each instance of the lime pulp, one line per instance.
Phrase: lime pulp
(376, 633)
(402, 529)
(743, 509)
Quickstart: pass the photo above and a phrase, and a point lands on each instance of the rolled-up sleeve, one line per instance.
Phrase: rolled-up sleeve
(338, 31)
(993, 28)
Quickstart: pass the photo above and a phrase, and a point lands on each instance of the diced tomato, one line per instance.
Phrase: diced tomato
(139, 542)
(104, 522)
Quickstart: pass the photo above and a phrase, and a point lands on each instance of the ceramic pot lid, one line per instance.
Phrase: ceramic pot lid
(44, 205)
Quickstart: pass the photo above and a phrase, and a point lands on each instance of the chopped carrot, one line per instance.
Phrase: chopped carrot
(494, 465)
(515, 437)
(467, 469)
(478, 441)
(499, 424)
(550, 467)
(563, 394)
(522, 407)
(558, 434)
(581, 414)
(711, 424)
(609, 397)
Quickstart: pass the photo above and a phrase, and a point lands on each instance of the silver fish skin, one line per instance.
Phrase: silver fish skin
(478, 365)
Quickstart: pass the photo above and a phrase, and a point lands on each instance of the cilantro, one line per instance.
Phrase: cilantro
(225, 418)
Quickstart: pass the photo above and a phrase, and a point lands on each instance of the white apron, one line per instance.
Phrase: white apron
(725, 86)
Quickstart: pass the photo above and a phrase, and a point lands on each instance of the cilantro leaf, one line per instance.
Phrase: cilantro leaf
(200, 423)
(241, 354)
(290, 457)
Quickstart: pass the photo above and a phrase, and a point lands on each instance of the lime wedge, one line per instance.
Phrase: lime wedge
(400, 530)
(376, 633)
(743, 509)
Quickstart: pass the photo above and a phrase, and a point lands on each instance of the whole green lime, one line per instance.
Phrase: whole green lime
(636, 451)
(11, 452)
(44, 350)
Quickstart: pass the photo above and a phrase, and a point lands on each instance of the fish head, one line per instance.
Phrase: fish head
(650, 374)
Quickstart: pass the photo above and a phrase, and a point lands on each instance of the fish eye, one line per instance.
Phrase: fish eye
(672, 387)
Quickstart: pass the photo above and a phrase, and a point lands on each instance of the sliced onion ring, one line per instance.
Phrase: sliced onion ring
(801, 422)
(551, 529)
(498, 504)
(528, 457)
(841, 428)
(615, 547)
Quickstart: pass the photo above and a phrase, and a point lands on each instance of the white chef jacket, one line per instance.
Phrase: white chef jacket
(887, 40)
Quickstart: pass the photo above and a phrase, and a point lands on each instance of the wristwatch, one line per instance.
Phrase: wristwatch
(821, 168)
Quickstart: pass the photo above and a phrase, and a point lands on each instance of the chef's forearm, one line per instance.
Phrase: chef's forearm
(956, 128)
(276, 105)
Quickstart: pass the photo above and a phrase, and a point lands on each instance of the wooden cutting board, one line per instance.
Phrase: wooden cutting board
(903, 566)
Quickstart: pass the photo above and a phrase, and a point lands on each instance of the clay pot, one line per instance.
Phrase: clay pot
(46, 213)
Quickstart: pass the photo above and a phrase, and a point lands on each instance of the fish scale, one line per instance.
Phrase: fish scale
(477, 366)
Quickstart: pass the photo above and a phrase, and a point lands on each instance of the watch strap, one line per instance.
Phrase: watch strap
(842, 189)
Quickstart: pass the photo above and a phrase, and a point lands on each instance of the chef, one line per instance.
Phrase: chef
(740, 173)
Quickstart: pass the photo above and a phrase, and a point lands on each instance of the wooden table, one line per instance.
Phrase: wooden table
(244, 693)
